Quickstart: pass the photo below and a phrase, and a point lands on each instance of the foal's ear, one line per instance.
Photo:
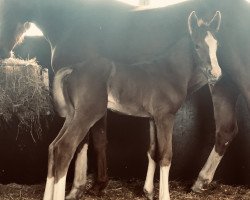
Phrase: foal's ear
(27, 25)
(214, 24)
(193, 22)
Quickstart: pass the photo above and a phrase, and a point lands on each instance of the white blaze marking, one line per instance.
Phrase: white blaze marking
(59, 190)
(212, 45)
(164, 187)
(49, 188)
(211, 165)
(149, 182)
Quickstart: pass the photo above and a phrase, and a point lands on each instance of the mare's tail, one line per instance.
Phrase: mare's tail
(59, 91)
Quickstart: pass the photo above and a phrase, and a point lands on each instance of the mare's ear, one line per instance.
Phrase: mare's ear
(214, 24)
(193, 22)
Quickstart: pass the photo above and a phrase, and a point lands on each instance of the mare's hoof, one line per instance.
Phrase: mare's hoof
(75, 194)
(149, 196)
(200, 186)
(98, 188)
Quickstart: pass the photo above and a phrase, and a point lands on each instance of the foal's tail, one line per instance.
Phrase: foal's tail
(59, 91)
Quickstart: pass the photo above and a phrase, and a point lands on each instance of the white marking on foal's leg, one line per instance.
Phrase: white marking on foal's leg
(207, 173)
(212, 44)
(149, 182)
(80, 176)
(164, 187)
(49, 189)
(59, 189)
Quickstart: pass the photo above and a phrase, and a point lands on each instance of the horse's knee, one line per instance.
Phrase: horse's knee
(224, 136)
(99, 139)
(165, 155)
(152, 155)
(166, 159)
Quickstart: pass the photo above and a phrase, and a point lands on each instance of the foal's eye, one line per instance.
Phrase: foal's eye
(197, 46)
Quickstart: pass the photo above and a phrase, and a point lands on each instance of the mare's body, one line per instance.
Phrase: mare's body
(79, 30)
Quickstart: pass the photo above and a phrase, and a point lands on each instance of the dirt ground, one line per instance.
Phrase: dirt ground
(132, 189)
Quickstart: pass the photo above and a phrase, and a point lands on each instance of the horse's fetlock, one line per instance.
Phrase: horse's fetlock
(149, 194)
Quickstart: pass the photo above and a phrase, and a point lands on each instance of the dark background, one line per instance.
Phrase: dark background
(24, 161)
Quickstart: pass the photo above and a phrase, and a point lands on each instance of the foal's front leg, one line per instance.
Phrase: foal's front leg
(164, 127)
(224, 96)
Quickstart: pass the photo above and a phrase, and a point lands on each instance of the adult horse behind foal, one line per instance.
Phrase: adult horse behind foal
(154, 89)
(78, 30)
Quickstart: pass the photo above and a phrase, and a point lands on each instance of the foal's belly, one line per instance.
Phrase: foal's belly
(126, 107)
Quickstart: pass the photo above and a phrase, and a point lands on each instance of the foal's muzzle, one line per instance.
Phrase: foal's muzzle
(212, 79)
(213, 75)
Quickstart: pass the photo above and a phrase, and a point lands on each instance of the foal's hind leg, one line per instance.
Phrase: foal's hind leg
(149, 182)
(98, 132)
(66, 146)
(49, 189)
(80, 176)
(224, 100)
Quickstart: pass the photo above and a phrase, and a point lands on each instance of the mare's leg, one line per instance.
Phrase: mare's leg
(149, 182)
(164, 129)
(99, 136)
(80, 176)
(224, 97)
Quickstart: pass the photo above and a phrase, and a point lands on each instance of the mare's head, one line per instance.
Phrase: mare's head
(205, 44)
(13, 23)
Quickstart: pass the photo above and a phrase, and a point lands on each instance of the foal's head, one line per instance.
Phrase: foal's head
(205, 43)
(13, 17)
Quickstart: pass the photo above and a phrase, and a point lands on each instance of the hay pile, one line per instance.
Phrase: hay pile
(24, 94)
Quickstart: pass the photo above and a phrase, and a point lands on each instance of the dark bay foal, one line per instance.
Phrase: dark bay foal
(155, 89)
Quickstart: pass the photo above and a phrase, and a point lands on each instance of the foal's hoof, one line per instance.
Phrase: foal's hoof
(200, 186)
(149, 195)
(98, 188)
(75, 194)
